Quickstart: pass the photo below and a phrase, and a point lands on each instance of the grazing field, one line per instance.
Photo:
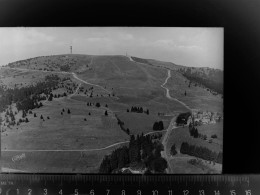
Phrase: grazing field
(77, 123)
(17, 78)
(180, 165)
(55, 161)
(181, 134)
(118, 72)
(67, 131)
(140, 122)
(55, 63)
(196, 97)
(213, 129)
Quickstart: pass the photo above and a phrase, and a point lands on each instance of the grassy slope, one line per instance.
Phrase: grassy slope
(135, 84)
(76, 62)
(196, 97)
(67, 131)
(212, 129)
(169, 65)
(12, 77)
(56, 162)
(140, 122)
(180, 135)
(179, 164)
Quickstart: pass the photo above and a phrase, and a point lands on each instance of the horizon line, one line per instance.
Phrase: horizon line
(114, 55)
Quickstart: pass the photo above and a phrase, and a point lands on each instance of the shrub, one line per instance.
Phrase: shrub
(173, 150)
(214, 136)
(183, 118)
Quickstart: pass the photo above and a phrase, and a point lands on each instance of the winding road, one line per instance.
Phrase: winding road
(168, 92)
(58, 72)
(171, 126)
(168, 130)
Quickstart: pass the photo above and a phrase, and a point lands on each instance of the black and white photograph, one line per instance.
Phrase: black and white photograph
(112, 100)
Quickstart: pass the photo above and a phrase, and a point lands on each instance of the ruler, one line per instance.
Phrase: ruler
(48, 184)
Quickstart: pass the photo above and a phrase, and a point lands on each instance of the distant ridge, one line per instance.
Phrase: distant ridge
(208, 77)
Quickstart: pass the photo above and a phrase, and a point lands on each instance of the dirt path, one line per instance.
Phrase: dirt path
(62, 72)
(168, 92)
(130, 59)
(164, 143)
(168, 130)
(3, 169)
(74, 92)
(171, 126)
(76, 77)
(86, 150)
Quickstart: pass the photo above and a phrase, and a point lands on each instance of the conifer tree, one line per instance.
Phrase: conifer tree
(173, 150)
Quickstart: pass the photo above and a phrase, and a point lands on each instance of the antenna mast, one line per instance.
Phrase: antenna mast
(70, 49)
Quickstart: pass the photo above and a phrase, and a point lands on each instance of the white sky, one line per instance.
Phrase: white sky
(199, 47)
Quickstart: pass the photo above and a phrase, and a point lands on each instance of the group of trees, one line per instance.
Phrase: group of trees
(51, 96)
(213, 81)
(65, 67)
(81, 89)
(158, 126)
(42, 118)
(27, 98)
(193, 131)
(138, 110)
(90, 104)
(121, 124)
(173, 150)
(142, 151)
(10, 118)
(182, 118)
(68, 86)
(201, 152)
(214, 136)
(63, 110)
(96, 104)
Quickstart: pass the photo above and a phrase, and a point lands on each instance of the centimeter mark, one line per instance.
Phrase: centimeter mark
(130, 184)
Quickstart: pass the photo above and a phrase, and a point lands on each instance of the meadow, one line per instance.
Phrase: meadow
(55, 161)
(196, 97)
(181, 134)
(179, 163)
(123, 84)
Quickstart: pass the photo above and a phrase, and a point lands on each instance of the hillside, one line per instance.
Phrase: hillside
(158, 63)
(78, 103)
(204, 76)
(210, 78)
